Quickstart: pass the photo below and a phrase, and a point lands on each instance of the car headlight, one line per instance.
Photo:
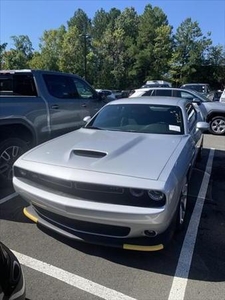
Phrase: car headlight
(156, 195)
(137, 192)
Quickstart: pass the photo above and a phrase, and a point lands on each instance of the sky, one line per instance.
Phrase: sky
(33, 17)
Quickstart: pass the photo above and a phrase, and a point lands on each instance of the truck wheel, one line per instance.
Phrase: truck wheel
(217, 125)
(10, 150)
(182, 207)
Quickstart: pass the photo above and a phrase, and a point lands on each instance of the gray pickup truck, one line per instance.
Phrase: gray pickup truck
(36, 106)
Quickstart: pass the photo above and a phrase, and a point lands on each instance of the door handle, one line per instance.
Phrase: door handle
(55, 106)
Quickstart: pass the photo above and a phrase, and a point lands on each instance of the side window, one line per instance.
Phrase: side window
(83, 89)
(192, 115)
(60, 86)
(164, 93)
(18, 84)
(176, 93)
(149, 93)
(187, 95)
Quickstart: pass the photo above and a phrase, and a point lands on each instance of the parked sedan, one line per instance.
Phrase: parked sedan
(122, 180)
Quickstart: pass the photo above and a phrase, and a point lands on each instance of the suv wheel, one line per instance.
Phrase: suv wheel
(10, 150)
(217, 125)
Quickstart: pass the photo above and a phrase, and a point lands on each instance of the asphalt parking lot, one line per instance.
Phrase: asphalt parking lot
(191, 267)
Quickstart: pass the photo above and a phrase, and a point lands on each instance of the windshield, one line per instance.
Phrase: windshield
(201, 96)
(200, 88)
(142, 118)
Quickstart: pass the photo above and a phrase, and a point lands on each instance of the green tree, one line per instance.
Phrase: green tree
(190, 47)
(154, 33)
(99, 24)
(18, 57)
(51, 48)
(103, 48)
(212, 70)
(37, 61)
(127, 22)
(81, 21)
(71, 59)
(2, 50)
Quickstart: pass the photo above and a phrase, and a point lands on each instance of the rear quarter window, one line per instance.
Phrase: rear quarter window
(17, 84)
(164, 93)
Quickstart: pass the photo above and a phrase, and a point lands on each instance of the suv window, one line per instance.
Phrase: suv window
(158, 93)
(17, 84)
(163, 93)
(186, 95)
(149, 93)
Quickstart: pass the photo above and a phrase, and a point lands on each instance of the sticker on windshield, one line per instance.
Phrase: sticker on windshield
(174, 128)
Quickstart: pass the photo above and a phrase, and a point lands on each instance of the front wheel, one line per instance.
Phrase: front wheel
(10, 150)
(217, 125)
(182, 207)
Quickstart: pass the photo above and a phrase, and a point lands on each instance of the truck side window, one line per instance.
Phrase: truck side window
(60, 86)
(18, 84)
(84, 90)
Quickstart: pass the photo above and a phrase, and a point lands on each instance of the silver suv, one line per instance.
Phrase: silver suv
(214, 112)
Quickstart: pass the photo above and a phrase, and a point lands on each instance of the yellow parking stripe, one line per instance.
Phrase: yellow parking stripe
(27, 214)
(143, 248)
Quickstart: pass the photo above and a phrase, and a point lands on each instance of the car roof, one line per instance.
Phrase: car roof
(164, 88)
(174, 101)
(197, 83)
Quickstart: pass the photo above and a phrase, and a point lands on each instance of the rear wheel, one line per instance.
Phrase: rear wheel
(217, 125)
(10, 150)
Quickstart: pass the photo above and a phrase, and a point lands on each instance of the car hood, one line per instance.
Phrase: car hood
(214, 105)
(111, 152)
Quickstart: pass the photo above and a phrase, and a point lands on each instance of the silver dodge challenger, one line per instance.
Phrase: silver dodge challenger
(122, 179)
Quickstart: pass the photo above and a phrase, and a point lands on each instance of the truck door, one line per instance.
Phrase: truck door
(90, 100)
(67, 106)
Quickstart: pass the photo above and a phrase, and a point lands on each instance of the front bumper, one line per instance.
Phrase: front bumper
(139, 243)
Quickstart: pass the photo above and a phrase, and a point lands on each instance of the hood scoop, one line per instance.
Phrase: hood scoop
(89, 153)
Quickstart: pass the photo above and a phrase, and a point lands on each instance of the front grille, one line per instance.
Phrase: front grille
(89, 191)
(72, 226)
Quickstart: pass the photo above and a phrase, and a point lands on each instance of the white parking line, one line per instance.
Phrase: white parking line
(181, 276)
(8, 198)
(71, 279)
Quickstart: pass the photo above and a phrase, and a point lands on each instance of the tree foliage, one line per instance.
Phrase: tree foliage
(18, 57)
(121, 49)
(189, 50)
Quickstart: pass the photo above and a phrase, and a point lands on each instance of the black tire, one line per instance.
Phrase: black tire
(10, 150)
(217, 125)
(199, 155)
(182, 207)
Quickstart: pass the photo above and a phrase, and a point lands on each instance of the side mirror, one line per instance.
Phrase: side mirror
(203, 126)
(197, 101)
(87, 119)
(102, 97)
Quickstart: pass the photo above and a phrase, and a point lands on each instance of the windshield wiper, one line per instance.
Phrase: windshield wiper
(93, 127)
